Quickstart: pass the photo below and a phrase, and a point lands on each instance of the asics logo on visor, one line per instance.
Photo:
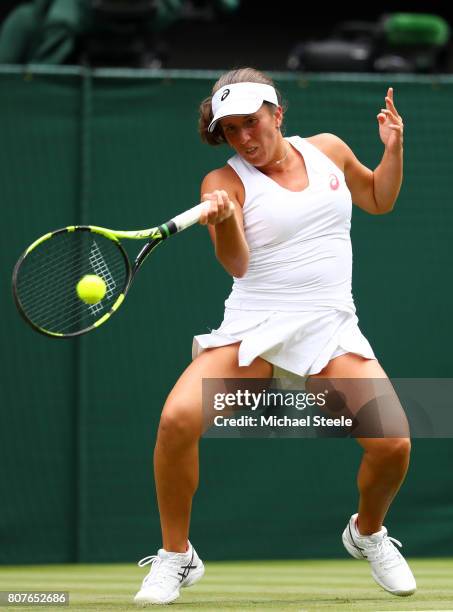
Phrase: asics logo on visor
(225, 94)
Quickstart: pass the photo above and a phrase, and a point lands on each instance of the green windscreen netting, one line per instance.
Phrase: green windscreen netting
(79, 418)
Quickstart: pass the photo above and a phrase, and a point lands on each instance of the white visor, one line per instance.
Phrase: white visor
(240, 99)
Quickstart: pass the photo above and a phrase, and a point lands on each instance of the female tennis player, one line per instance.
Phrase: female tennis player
(279, 217)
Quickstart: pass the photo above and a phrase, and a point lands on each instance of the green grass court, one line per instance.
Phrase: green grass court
(265, 585)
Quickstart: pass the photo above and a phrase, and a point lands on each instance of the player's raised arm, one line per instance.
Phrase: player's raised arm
(388, 176)
(376, 191)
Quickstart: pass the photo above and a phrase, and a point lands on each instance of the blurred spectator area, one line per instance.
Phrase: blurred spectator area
(219, 34)
(396, 42)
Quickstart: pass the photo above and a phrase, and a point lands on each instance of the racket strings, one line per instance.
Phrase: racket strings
(101, 268)
(44, 311)
(33, 283)
(65, 313)
(51, 256)
(37, 288)
(47, 279)
(69, 313)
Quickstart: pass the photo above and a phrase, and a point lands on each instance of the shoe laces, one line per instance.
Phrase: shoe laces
(385, 553)
(158, 573)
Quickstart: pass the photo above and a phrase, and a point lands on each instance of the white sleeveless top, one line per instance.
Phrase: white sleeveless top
(294, 305)
(300, 247)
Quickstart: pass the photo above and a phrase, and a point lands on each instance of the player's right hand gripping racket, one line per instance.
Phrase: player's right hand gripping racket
(46, 275)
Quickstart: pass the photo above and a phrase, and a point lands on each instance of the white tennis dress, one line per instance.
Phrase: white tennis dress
(294, 306)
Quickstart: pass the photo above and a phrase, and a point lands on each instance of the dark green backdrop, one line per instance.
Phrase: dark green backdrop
(78, 418)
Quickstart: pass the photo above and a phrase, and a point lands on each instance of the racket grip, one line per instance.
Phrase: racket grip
(189, 217)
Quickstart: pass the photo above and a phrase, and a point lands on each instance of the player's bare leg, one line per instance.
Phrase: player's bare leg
(176, 452)
(383, 468)
(385, 460)
(177, 564)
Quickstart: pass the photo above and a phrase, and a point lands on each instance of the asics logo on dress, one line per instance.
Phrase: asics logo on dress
(334, 182)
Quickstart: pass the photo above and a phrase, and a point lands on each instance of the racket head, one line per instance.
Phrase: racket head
(45, 278)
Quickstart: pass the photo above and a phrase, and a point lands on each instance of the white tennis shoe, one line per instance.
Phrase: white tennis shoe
(169, 572)
(388, 567)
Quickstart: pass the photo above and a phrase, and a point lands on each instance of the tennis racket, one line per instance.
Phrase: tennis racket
(45, 276)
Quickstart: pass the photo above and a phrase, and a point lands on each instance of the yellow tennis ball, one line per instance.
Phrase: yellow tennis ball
(91, 288)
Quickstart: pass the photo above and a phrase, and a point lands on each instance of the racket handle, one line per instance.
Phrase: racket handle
(189, 217)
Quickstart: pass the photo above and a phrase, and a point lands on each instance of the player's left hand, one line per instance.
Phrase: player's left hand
(390, 124)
